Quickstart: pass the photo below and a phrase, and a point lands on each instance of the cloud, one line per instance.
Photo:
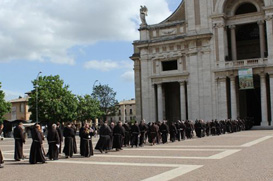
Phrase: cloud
(107, 65)
(45, 30)
(128, 76)
(103, 65)
(10, 95)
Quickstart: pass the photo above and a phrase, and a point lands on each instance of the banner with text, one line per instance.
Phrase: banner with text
(246, 79)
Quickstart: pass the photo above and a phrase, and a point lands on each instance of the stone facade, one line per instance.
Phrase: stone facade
(186, 67)
(126, 111)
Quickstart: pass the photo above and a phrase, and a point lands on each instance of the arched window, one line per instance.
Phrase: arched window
(246, 8)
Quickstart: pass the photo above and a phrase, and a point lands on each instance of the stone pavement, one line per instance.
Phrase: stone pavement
(240, 156)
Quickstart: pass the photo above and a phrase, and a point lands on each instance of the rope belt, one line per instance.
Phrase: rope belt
(86, 139)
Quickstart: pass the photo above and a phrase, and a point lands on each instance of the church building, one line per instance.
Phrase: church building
(211, 59)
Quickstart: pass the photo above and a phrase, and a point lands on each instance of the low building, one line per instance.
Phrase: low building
(126, 111)
(19, 110)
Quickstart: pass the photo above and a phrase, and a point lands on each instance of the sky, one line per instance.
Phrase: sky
(86, 42)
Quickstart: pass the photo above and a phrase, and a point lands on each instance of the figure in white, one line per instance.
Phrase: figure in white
(143, 14)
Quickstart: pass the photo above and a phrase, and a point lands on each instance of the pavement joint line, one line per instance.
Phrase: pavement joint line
(252, 143)
(224, 154)
(179, 170)
(174, 173)
(213, 157)
(201, 150)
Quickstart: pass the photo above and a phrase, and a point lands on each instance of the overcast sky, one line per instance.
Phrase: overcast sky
(80, 40)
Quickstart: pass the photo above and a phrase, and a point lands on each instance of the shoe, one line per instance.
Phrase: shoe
(100, 150)
(66, 156)
(1, 166)
(106, 151)
(17, 160)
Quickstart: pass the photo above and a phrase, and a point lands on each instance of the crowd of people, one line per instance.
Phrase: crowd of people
(114, 136)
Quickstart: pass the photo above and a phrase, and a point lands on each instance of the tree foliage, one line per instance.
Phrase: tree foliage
(107, 99)
(88, 108)
(4, 106)
(55, 101)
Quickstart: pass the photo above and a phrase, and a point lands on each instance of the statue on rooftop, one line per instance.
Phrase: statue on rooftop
(143, 14)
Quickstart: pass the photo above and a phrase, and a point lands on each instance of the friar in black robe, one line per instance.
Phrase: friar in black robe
(19, 140)
(164, 130)
(69, 134)
(1, 156)
(112, 125)
(86, 147)
(119, 133)
(53, 142)
(75, 150)
(153, 133)
(36, 150)
(143, 129)
(173, 132)
(127, 134)
(103, 143)
(134, 135)
(60, 133)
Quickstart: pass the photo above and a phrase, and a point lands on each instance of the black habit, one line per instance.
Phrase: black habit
(36, 153)
(69, 135)
(104, 140)
(19, 139)
(119, 133)
(86, 147)
(53, 142)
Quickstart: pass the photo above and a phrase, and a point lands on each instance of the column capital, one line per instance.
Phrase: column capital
(182, 83)
(268, 17)
(260, 22)
(232, 78)
(232, 27)
(218, 25)
(221, 78)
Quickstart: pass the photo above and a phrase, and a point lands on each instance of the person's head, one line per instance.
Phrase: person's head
(54, 126)
(69, 124)
(86, 125)
(20, 124)
(37, 126)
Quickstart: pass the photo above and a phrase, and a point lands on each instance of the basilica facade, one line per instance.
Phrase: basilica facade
(187, 67)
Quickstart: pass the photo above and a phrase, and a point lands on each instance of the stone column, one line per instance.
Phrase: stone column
(233, 98)
(159, 102)
(271, 96)
(233, 42)
(263, 100)
(182, 100)
(222, 98)
(269, 31)
(262, 37)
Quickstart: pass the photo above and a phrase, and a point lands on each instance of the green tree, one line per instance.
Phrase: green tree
(107, 99)
(4, 106)
(55, 101)
(88, 108)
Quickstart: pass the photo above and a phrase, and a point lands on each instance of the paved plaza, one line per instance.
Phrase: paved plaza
(240, 156)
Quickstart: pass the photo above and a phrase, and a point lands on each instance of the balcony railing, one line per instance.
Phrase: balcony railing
(243, 63)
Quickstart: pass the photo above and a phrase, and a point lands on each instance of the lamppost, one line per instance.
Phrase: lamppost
(37, 97)
(94, 84)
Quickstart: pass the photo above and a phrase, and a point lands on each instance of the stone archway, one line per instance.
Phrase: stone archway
(221, 5)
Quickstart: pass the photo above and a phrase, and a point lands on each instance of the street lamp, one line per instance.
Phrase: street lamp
(37, 97)
(94, 84)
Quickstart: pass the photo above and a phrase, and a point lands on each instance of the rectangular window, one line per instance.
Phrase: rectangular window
(22, 107)
(131, 111)
(119, 112)
(169, 65)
